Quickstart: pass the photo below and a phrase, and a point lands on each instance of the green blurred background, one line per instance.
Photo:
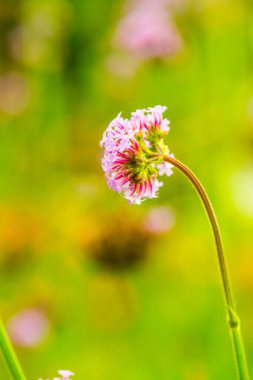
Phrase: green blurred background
(120, 291)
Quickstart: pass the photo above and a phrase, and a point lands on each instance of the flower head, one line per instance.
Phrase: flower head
(133, 151)
(65, 375)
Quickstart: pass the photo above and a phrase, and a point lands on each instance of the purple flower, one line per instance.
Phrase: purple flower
(131, 149)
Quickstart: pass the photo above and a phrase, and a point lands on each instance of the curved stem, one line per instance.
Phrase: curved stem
(9, 355)
(233, 319)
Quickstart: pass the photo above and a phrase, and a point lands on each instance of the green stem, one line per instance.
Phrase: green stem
(9, 355)
(233, 319)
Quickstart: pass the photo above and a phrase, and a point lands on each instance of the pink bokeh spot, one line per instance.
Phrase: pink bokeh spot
(28, 328)
(64, 373)
(147, 31)
(159, 220)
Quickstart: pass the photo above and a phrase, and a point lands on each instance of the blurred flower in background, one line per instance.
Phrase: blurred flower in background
(146, 31)
(29, 328)
(121, 242)
(159, 220)
(65, 375)
(14, 93)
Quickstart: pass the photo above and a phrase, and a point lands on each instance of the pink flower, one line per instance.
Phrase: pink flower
(148, 32)
(159, 220)
(131, 148)
(28, 328)
(65, 375)
(165, 168)
(151, 117)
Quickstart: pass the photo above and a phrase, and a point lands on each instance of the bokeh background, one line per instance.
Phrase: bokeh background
(88, 282)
